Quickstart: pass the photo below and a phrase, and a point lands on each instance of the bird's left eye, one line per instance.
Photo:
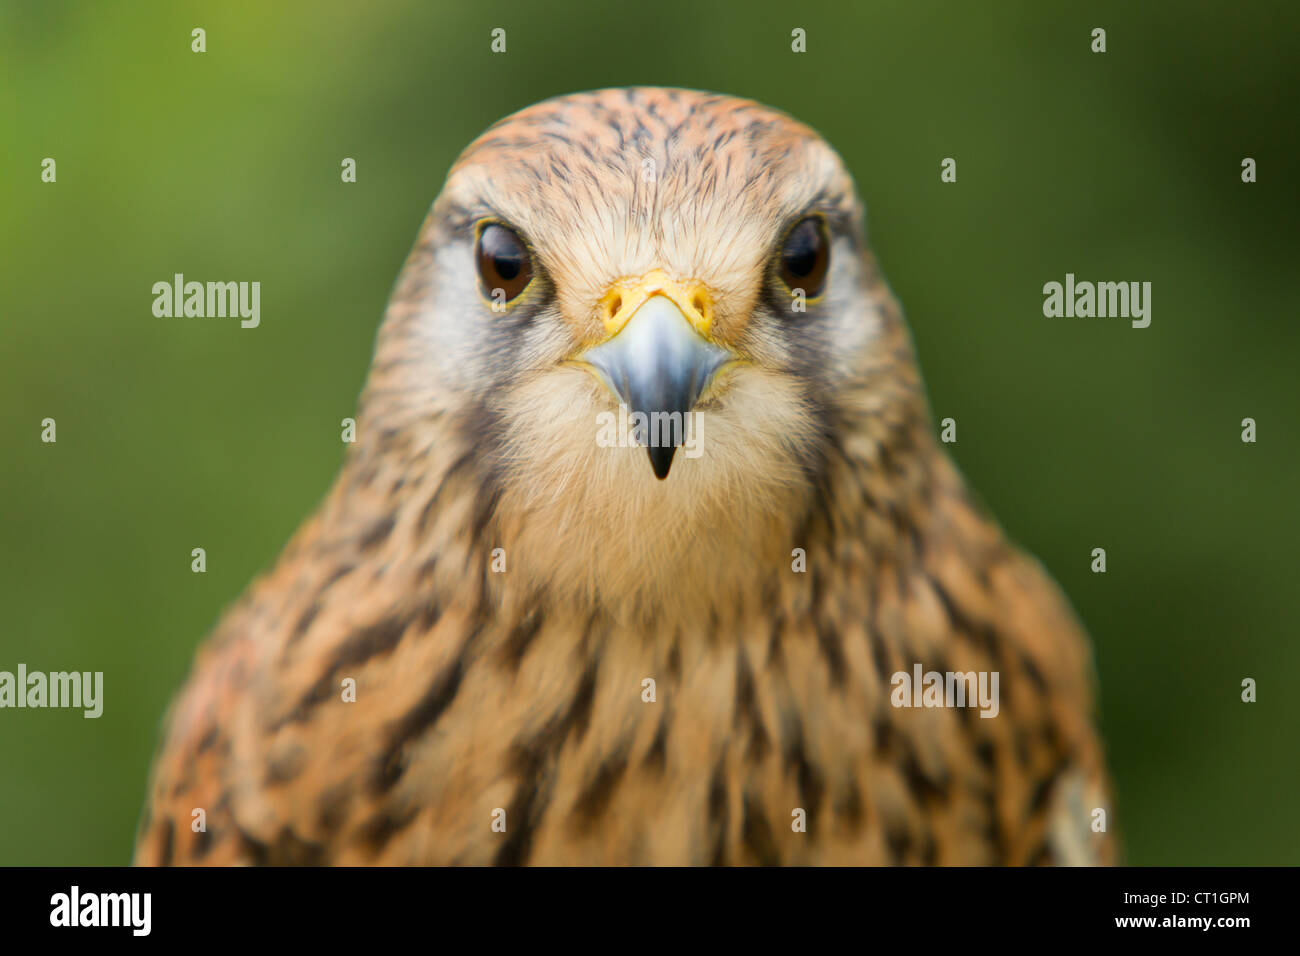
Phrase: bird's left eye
(504, 265)
(806, 256)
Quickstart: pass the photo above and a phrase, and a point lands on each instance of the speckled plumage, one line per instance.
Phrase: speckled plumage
(523, 689)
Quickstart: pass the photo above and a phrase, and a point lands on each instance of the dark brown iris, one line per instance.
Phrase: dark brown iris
(503, 262)
(806, 256)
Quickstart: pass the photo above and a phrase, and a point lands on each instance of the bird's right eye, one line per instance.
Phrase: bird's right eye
(505, 266)
(805, 256)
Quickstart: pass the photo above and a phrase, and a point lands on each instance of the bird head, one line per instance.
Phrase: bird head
(652, 316)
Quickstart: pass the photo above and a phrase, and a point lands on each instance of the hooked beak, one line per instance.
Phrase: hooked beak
(657, 359)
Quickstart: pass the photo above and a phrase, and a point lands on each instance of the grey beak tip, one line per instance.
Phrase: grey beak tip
(661, 459)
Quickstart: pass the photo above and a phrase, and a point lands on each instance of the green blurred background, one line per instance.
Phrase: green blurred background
(1079, 433)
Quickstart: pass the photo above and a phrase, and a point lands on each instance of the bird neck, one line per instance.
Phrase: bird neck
(438, 516)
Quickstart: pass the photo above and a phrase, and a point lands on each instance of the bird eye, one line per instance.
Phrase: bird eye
(504, 265)
(806, 256)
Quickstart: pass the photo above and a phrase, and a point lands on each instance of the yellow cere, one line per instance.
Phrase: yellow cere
(624, 297)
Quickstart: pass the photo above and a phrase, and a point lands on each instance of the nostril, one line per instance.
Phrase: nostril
(697, 304)
(615, 304)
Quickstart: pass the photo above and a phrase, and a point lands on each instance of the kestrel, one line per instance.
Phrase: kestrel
(504, 638)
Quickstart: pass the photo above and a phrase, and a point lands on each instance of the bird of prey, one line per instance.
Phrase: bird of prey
(506, 638)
